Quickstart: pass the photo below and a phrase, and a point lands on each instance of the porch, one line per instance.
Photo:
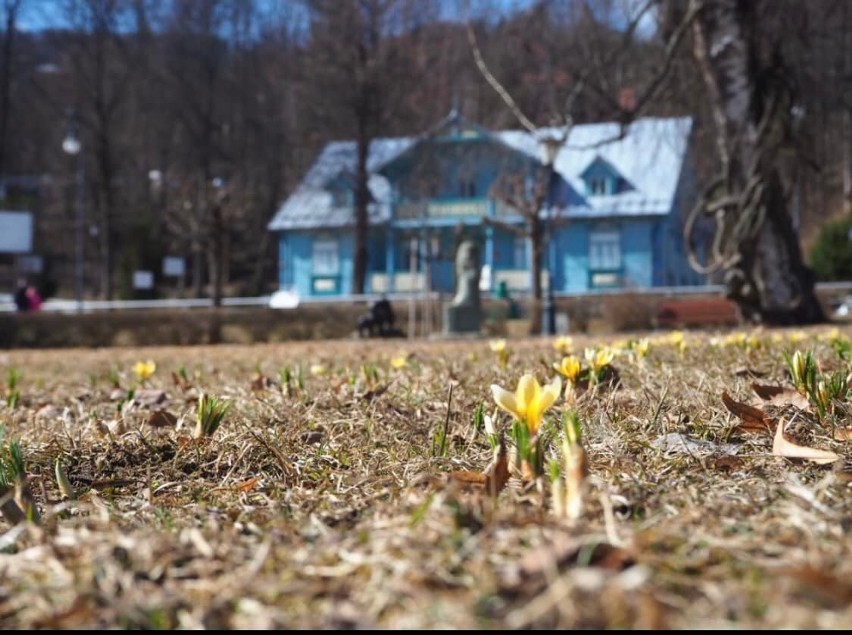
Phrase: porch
(518, 281)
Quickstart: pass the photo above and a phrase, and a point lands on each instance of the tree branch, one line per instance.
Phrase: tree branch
(494, 82)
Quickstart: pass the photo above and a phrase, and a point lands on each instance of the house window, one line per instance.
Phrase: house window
(605, 250)
(598, 186)
(467, 188)
(519, 253)
(325, 259)
(341, 197)
(412, 254)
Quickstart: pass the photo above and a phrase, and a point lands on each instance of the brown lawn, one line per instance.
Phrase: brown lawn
(325, 502)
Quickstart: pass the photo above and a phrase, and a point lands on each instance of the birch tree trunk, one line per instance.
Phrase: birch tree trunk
(765, 273)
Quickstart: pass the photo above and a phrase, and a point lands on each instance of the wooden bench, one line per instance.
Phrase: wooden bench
(699, 312)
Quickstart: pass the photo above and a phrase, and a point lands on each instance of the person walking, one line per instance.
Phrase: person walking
(22, 302)
(33, 298)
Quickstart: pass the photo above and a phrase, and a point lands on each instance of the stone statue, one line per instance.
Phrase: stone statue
(463, 314)
(467, 275)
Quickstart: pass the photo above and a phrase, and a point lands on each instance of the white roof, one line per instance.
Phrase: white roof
(649, 156)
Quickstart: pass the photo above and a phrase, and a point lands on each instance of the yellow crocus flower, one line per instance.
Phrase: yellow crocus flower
(569, 368)
(599, 358)
(564, 344)
(529, 401)
(144, 370)
(797, 337)
(499, 347)
(399, 361)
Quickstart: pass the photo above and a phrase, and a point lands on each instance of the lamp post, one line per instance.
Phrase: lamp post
(549, 147)
(72, 146)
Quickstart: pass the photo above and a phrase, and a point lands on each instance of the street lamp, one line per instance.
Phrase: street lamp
(72, 146)
(549, 148)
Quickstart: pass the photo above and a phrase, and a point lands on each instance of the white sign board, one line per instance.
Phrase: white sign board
(284, 299)
(16, 232)
(143, 279)
(173, 266)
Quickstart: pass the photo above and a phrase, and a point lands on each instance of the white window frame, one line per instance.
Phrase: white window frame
(325, 257)
(605, 250)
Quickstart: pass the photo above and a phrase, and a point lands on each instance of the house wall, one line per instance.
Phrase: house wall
(504, 251)
(298, 252)
(674, 265)
(296, 267)
(572, 257)
(637, 253)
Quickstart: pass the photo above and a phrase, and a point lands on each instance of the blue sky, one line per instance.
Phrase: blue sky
(41, 14)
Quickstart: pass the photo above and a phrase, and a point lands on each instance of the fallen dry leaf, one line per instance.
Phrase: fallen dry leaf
(375, 392)
(537, 565)
(843, 434)
(497, 472)
(782, 447)
(781, 396)
(468, 477)
(149, 397)
(493, 478)
(843, 470)
(162, 419)
(727, 463)
(752, 419)
(249, 485)
(821, 585)
(745, 371)
(180, 382)
(260, 382)
(9, 508)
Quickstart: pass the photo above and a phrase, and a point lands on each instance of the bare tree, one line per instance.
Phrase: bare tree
(590, 75)
(103, 68)
(11, 10)
(355, 55)
(755, 242)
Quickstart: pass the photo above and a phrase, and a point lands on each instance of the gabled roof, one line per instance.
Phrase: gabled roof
(312, 204)
(650, 156)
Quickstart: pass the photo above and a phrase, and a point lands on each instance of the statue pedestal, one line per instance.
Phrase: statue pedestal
(462, 318)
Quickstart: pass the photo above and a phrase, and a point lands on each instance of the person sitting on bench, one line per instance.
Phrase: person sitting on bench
(379, 321)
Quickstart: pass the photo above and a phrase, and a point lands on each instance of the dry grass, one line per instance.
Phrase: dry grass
(323, 505)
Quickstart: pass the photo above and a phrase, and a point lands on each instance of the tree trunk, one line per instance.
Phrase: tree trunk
(106, 205)
(6, 77)
(216, 253)
(197, 264)
(362, 201)
(536, 235)
(767, 278)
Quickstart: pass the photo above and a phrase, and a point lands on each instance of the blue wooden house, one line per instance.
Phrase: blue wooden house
(615, 210)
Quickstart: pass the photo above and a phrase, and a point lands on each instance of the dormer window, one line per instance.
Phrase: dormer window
(342, 189)
(602, 179)
(598, 186)
(341, 197)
